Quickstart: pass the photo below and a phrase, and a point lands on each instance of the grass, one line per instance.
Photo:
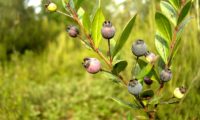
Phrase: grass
(53, 85)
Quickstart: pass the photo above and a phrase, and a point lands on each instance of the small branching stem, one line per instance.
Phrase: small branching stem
(109, 51)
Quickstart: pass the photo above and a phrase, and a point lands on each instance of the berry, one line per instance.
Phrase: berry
(179, 92)
(148, 81)
(92, 65)
(151, 57)
(165, 75)
(107, 31)
(139, 48)
(72, 31)
(52, 7)
(134, 87)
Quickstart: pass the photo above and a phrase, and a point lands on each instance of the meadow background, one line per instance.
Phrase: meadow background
(41, 73)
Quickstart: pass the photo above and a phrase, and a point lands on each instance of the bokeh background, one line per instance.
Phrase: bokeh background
(42, 78)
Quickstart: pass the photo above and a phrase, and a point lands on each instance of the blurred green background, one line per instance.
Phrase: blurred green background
(42, 78)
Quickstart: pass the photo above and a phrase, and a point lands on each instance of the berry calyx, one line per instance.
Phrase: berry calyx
(165, 75)
(72, 31)
(107, 31)
(139, 48)
(179, 92)
(134, 87)
(92, 65)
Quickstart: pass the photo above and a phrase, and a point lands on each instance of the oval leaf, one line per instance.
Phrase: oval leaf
(147, 94)
(119, 66)
(124, 36)
(169, 11)
(184, 12)
(86, 21)
(163, 26)
(176, 3)
(124, 103)
(144, 71)
(96, 27)
(162, 47)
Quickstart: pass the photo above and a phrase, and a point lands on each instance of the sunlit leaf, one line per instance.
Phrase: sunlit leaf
(124, 103)
(124, 36)
(184, 12)
(175, 3)
(144, 71)
(169, 11)
(80, 13)
(96, 27)
(162, 47)
(86, 22)
(163, 26)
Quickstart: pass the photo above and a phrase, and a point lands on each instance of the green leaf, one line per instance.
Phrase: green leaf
(147, 93)
(144, 71)
(162, 47)
(86, 22)
(124, 36)
(78, 3)
(119, 66)
(80, 13)
(163, 26)
(176, 3)
(155, 100)
(64, 4)
(96, 27)
(124, 103)
(169, 11)
(129, 116)
(184, 12)
(71, 3)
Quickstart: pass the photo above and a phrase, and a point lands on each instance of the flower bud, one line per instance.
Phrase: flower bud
(134, 87)
(72, 31)
(165, 75)
(107, 31)
(179, 92)
(151, 57)
(92, 65)
(139, 48)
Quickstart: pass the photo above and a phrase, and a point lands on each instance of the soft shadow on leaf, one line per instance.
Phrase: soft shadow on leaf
(125, 103)
(119, 66)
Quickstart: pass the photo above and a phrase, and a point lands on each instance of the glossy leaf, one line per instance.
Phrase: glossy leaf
(96, 27)
(144, 71)
(169, 11)
(124, 36)
(184, 12)
(124, 103)
(119, 66)
(162, 47)
(147, 93)
(176, 3)
(163, 26)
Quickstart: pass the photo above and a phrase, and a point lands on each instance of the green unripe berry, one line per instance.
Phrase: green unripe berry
(139, 48)
(107, 31)
(165, 75)
(179, 92)
(52, 7)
